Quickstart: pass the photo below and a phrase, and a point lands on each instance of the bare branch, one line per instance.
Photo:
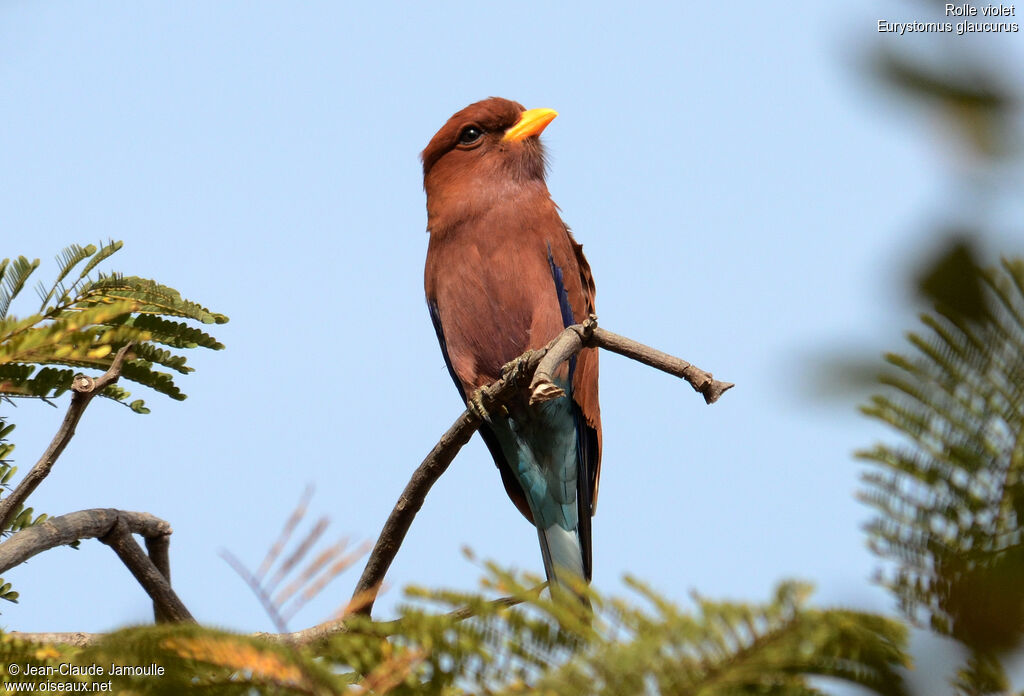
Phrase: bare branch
(114, 528)
(166, 603)
(701, 381)
(84, 388)
(159, 550)
(409, 503)
(589, 335)
(63, 530)
(310, 636)
(541, 365)
(322, 632)
(565, 346)
(75, 639)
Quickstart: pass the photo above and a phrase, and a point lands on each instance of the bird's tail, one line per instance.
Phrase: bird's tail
(563, 558)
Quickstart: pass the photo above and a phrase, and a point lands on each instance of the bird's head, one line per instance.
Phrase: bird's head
(487, 151)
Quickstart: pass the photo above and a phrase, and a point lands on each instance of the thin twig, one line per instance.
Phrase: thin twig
(84, 388)
(428, 472)
(410, 502)
(702, 382)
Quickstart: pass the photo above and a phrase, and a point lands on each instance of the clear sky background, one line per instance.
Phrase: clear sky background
(747, 198)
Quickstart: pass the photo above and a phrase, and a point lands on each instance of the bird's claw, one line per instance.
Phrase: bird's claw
(475, 405)
(514, 370)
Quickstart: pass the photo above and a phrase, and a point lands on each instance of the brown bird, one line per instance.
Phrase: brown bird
(504, 275)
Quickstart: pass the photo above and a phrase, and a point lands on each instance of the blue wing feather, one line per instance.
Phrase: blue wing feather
(586, 437)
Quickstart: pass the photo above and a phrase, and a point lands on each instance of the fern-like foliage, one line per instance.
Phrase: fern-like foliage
(653, 647)
(538, 647)
(83, 321)
(950, 501)
(13, 275)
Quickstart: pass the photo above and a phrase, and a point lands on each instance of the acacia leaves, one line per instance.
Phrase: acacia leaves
(641, 645)
(82, 323)
(950, 500)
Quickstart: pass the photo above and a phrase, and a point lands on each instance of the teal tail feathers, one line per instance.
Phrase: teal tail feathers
(563, 559)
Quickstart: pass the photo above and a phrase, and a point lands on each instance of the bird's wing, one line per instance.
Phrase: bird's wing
(435, 317)
(584, 389)
(586, 414)
(512, 487)
(586, 276)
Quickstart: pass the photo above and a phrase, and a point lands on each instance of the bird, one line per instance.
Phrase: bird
(504, 275)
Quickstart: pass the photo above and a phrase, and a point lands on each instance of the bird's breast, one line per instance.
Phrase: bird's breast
(493, 287)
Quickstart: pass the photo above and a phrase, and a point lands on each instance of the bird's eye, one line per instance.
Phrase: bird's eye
(469, 135)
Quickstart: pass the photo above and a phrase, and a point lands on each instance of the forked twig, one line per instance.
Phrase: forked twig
(114, 528)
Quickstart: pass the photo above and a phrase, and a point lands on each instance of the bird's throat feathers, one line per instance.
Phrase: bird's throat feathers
(504, 201)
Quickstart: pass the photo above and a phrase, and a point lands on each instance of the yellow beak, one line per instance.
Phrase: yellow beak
(531, 122)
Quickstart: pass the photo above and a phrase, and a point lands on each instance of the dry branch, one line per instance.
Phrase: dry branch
(75, 639)
(159, 550)
(114, 528)
(316, 635)
(541, 365)
(702, 381)
(166, 604)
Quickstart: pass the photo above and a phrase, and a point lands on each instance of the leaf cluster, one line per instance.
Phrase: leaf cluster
(950, 501)
(82, 321)
(539, 646)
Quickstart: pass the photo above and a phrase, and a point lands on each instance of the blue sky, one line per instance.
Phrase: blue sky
(746, 198)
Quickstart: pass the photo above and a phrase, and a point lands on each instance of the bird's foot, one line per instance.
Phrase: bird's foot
(475, 405)
(515, 370)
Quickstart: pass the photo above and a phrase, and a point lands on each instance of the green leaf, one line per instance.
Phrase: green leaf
(14, 274)
(68, 258)
(90, 322)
